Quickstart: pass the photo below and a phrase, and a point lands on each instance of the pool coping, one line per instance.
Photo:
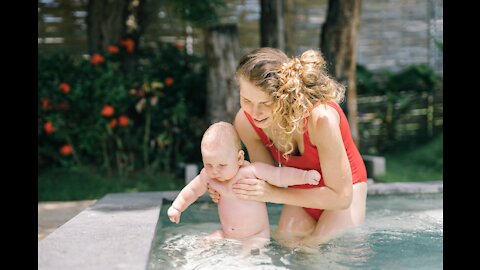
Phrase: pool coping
(117, 231)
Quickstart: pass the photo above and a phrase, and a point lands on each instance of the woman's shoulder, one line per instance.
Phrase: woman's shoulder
(243, 126)
(240, 118)
(323, 118)
(324, 113)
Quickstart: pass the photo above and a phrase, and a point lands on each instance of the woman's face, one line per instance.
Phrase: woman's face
(256, 103)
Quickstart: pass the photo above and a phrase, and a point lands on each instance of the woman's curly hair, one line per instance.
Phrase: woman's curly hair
(295, 85)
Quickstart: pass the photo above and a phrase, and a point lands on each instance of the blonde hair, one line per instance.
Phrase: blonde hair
(295, 85)
(221, 133)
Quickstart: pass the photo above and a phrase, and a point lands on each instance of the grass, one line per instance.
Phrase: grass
(83, 184)
(420, 163)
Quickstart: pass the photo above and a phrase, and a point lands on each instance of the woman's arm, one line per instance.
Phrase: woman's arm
(325, 134)
(336, 171)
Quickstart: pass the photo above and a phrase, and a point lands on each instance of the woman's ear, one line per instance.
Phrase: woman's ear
(241, 157)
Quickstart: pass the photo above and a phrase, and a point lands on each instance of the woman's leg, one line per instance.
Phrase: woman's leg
(296, 227)
(294, 224)
(334, 222)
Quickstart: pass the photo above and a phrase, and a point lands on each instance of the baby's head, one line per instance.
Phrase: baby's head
(222, 152)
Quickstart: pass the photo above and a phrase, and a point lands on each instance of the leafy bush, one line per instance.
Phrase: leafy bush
(92, 113)
(399, 89)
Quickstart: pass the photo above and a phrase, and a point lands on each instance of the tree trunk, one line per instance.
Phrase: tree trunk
(106, 23)
(222, 51)
(338, 44)
(290, 27)
(272, 24)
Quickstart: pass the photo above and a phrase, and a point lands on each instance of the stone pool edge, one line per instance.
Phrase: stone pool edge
(118, 230)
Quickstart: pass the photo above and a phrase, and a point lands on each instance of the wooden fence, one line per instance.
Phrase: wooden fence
(382, 122)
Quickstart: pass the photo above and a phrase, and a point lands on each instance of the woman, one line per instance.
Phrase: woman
(290, 114)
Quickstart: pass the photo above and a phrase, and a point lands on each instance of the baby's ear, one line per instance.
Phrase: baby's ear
(241, 157)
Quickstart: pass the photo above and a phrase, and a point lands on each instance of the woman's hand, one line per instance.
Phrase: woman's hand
(213, 194)
(253, 189)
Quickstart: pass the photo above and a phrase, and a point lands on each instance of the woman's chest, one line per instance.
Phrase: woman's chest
(297, 141)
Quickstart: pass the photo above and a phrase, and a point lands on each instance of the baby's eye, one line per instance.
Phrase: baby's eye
(223, 165)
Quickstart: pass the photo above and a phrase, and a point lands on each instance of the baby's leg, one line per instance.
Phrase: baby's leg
(253, 244)
(208, 242)
(216, 235)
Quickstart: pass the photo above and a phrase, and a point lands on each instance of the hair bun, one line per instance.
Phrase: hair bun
(312, 62)
(292, 68)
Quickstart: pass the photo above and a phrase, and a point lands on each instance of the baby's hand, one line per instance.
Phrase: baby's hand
(312, 177)
(174, 214)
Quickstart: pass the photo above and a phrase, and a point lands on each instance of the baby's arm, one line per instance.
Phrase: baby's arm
(285, 176)
(189, 194)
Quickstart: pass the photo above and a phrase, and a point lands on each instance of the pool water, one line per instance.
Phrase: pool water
(400, 232)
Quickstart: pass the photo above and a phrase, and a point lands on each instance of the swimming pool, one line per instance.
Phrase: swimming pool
(400, 232)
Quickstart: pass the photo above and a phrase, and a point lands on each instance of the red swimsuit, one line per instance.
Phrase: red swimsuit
(310, 159)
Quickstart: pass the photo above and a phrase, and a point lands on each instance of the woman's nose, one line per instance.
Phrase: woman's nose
(255, 111)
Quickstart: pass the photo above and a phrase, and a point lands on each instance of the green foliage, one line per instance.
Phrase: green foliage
(368, 83)
(418, 162)
(67, 184)
(399, 89)
(201, 13)
(416, 78)
(149, 119)
(439, 44)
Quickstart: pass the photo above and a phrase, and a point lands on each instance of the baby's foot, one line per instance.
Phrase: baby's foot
(312, 177)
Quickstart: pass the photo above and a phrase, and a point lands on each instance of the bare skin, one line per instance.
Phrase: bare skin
(244, 220)
(344, 204)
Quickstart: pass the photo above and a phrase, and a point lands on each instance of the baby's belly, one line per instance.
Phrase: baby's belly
(241, 218)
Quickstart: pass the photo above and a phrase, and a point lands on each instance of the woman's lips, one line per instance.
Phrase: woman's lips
(261, 121)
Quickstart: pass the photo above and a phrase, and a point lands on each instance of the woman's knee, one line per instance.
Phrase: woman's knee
(295, 221)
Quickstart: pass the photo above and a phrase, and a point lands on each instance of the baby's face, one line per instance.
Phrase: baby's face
(221, 163)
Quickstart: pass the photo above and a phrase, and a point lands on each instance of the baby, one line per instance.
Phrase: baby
(224, 164)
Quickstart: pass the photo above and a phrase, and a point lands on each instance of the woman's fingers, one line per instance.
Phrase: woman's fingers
(245, 187)
(252, 189)
(249, 189)
(250, 184)
(248, 192)
(248, 181)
